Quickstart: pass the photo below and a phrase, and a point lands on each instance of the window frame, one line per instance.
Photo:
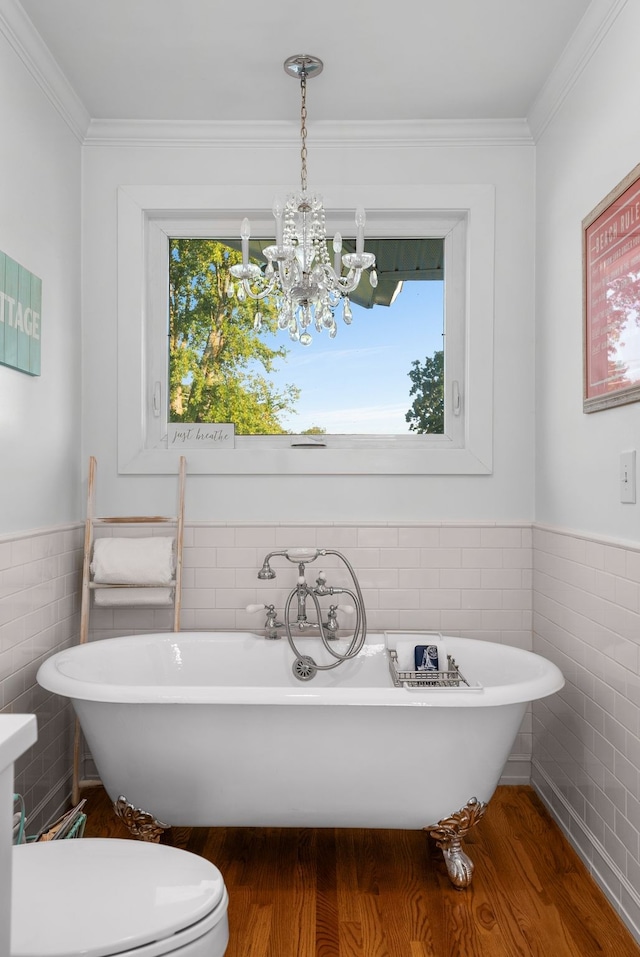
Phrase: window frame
(462, 215)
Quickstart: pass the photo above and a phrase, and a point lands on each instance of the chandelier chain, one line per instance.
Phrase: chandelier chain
(303, 132)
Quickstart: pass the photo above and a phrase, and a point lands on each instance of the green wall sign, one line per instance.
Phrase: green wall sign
(20, 317)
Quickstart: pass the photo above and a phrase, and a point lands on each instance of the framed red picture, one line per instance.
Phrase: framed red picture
(611, 298)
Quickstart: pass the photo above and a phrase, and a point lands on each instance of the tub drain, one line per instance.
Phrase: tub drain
(304, 668)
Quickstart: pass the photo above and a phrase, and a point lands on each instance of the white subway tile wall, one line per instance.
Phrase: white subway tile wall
(39, 614)
(586, 739)
(472, 580)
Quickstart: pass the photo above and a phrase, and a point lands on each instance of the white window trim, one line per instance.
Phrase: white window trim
(463, 215)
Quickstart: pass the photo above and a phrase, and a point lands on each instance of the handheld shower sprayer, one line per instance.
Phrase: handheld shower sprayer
(266, 572)
(299, 556)
(302, 556)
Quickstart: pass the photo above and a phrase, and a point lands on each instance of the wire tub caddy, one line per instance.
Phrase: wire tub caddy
(451, 678)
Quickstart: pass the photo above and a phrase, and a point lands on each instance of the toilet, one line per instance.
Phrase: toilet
(102, 897)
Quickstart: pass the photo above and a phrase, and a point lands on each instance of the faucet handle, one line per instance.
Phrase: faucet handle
(271, 624)
(332, 617)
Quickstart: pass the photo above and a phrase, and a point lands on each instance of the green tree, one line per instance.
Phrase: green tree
(214, 346)
(426, 415)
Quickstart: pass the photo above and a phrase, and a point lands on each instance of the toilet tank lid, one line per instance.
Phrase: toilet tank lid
(99, 897)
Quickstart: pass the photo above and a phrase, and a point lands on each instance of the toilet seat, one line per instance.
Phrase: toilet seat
(100, 897)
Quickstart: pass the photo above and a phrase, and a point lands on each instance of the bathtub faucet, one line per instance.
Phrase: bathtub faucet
(304, 667)
(304, 591)
(301, 592)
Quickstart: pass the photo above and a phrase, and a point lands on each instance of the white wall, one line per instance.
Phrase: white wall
(588, 148)
(40, 161)
(586, 556)
(586, 738)
(507, 495)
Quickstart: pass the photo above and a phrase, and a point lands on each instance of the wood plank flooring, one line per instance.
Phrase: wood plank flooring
(385, 893)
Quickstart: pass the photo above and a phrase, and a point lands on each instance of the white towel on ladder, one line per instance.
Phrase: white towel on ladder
(119, 597)
(133, 561)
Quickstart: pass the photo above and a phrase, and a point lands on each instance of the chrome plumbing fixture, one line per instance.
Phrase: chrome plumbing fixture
(331, 623)
(271, 624)
(332, 626)
(297, 555)
(305, 667)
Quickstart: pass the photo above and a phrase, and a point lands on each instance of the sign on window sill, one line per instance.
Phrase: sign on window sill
(201, 435)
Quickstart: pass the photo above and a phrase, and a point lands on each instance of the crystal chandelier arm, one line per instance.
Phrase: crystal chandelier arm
(258, 294)
(345, 284)
(249, 276)
(283, 267)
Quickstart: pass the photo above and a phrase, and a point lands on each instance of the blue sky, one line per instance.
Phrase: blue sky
(359, 382)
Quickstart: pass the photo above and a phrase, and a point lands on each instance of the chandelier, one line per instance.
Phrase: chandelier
(300, 274)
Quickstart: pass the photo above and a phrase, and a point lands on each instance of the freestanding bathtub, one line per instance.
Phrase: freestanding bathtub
(213, 729)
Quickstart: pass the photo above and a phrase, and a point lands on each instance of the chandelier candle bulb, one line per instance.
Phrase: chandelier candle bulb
(245, 233)
(277, 212)
(361, 218)
(337, 254)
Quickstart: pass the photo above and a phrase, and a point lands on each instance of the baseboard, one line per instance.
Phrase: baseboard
(517, 770)
(623, 897)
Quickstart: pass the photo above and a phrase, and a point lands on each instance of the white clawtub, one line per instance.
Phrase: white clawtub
(213, 729)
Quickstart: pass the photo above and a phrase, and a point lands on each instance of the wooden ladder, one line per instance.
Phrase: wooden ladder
(88, 585)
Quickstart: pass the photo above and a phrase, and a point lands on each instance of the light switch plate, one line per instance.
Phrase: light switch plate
(628, 477)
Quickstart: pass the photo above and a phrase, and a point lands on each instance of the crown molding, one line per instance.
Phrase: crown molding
(587, 37)
(371, 134)
(29, 46)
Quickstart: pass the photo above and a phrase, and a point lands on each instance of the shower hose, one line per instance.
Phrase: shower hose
(304, 666)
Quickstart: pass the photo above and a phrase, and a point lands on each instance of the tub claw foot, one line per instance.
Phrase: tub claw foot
(459, 865)
(448, 835)
(140, 823)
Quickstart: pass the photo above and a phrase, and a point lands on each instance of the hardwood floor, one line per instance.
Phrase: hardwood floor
(364, 893)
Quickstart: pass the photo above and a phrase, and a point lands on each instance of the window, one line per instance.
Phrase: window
(461, 218)
(383, 373)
